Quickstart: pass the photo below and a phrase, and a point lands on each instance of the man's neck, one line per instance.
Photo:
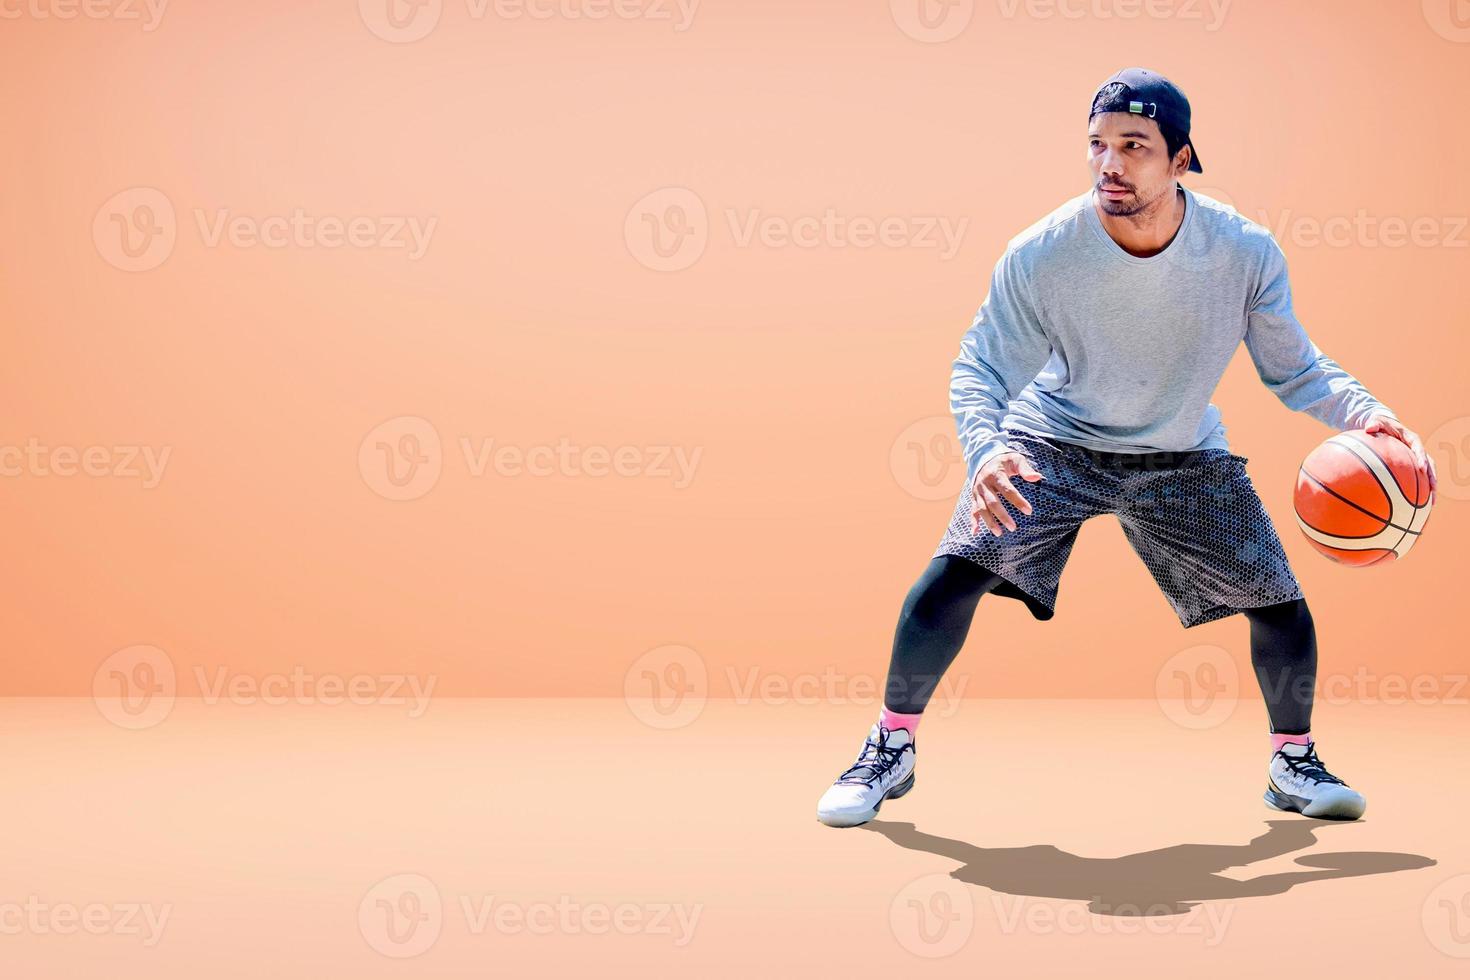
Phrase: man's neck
(1149, 231)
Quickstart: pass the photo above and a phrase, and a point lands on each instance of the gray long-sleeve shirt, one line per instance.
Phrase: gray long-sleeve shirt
(1081, 342)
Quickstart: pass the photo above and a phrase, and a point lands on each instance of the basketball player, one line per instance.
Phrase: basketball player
(1086, 376)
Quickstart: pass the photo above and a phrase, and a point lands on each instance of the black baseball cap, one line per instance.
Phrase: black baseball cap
(1150, 94)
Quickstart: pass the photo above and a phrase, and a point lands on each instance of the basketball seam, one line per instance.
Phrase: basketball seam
(1387, 522)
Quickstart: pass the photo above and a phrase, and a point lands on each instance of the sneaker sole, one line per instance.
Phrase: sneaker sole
(860, 818)
(1344, 805)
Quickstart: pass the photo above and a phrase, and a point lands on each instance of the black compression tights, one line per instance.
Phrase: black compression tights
(936, 619)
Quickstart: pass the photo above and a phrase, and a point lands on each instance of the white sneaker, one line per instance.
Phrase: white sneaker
(884, 770)
(1297, 781)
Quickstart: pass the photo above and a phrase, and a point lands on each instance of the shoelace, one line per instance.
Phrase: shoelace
(1310, 766)
(876, 757)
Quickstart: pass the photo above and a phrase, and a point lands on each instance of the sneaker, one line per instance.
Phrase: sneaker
(1297, 781)
(884, 770)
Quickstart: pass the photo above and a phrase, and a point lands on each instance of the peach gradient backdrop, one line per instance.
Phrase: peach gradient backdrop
(530, 319)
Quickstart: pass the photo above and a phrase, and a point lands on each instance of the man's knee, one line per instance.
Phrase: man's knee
(1283, 615)
(949, 584)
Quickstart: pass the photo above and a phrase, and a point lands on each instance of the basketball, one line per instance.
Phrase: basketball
(1360, 499)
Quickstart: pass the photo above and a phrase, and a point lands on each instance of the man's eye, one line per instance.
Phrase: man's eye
(1134, 146)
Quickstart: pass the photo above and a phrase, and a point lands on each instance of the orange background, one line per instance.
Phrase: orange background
(530, 319)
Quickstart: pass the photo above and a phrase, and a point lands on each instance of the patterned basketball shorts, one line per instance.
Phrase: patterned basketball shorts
(1193, 517)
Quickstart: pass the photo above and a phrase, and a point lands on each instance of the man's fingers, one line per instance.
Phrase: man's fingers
(1026, 471)
(980, 515)
(996, 507)
(1008, 490)
(1421, 458)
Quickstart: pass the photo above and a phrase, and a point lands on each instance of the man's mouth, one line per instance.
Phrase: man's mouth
(1114, 191)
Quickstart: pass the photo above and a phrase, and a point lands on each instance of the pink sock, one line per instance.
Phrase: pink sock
(1279, 740)
(892, 719)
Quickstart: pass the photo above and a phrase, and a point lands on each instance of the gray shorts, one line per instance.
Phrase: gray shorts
(1193, 517)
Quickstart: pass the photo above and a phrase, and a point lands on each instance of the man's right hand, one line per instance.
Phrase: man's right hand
(993, 488)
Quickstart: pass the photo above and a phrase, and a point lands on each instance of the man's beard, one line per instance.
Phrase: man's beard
(1129, 206)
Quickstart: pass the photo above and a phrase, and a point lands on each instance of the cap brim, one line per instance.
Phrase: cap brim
(1194, 166)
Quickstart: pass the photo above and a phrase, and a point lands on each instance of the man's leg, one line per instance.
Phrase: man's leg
(932, 627)
(1284, 654)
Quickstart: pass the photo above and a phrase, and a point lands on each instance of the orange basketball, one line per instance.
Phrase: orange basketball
(1360, 499)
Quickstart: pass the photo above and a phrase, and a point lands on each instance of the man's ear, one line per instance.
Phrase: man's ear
(1182, 159)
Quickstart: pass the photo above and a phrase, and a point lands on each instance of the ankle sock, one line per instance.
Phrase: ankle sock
(1278, 740)
(893, 719)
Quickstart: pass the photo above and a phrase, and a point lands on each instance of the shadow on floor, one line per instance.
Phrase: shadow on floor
(1168, 881)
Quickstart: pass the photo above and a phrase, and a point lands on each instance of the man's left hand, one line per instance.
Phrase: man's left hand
(1388, 425)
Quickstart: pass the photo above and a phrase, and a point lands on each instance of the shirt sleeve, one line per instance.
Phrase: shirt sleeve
(1291, 366)
(1004, 349)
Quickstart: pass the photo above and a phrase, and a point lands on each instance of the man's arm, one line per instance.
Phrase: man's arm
(1304, 378)
(1004, 349)
(1296, 371)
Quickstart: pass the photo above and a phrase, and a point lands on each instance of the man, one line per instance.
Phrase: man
(1087, 376)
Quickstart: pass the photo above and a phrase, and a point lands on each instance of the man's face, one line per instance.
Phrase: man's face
(1131, 168)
